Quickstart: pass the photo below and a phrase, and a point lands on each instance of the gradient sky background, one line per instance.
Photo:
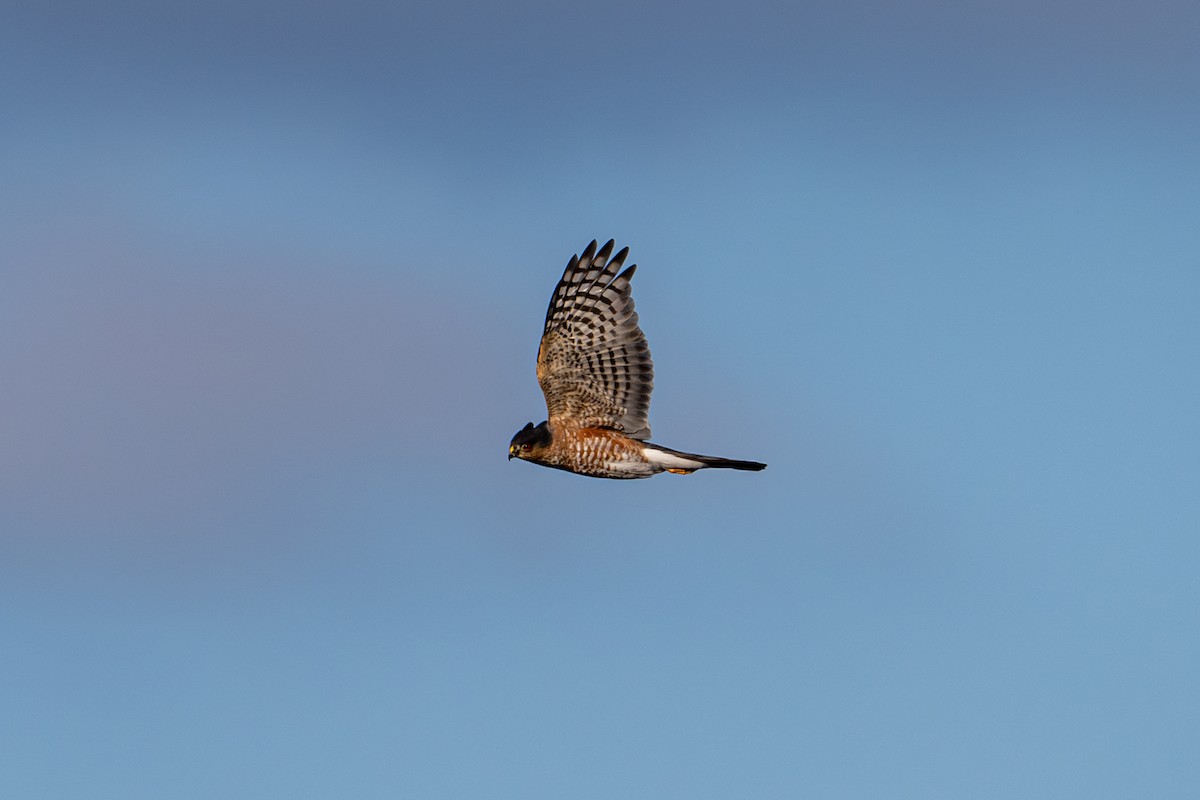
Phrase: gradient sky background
(273, 277)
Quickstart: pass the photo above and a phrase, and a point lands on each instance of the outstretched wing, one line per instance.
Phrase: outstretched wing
(594, 364)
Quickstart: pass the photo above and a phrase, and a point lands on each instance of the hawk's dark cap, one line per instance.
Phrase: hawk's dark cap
(531, 435)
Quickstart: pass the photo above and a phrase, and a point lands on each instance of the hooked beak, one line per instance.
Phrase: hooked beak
(511, 452)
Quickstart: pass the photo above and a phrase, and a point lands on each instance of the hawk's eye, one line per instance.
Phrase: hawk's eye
(524, 448)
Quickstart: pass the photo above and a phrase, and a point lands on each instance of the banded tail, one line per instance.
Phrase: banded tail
(684, 463)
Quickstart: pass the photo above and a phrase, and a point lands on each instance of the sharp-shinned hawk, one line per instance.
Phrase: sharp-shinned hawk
(594, 368)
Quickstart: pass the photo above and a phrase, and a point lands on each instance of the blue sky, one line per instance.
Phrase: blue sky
(273, 280)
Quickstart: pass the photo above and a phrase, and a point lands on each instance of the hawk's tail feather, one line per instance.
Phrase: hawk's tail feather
(686, 462)
(729, 463)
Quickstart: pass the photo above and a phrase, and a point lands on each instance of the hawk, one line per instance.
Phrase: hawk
(594, 367)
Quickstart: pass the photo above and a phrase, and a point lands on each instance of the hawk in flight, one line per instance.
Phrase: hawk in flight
(594, 368)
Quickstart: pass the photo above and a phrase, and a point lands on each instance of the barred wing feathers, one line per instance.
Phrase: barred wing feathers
(594, 364)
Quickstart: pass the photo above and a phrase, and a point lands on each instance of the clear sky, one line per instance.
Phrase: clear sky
(271, 281)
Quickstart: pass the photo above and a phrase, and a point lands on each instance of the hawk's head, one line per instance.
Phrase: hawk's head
(529, 441)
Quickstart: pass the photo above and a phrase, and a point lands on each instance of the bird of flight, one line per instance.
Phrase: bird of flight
(594, 367)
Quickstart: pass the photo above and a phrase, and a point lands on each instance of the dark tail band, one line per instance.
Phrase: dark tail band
(728, 463)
